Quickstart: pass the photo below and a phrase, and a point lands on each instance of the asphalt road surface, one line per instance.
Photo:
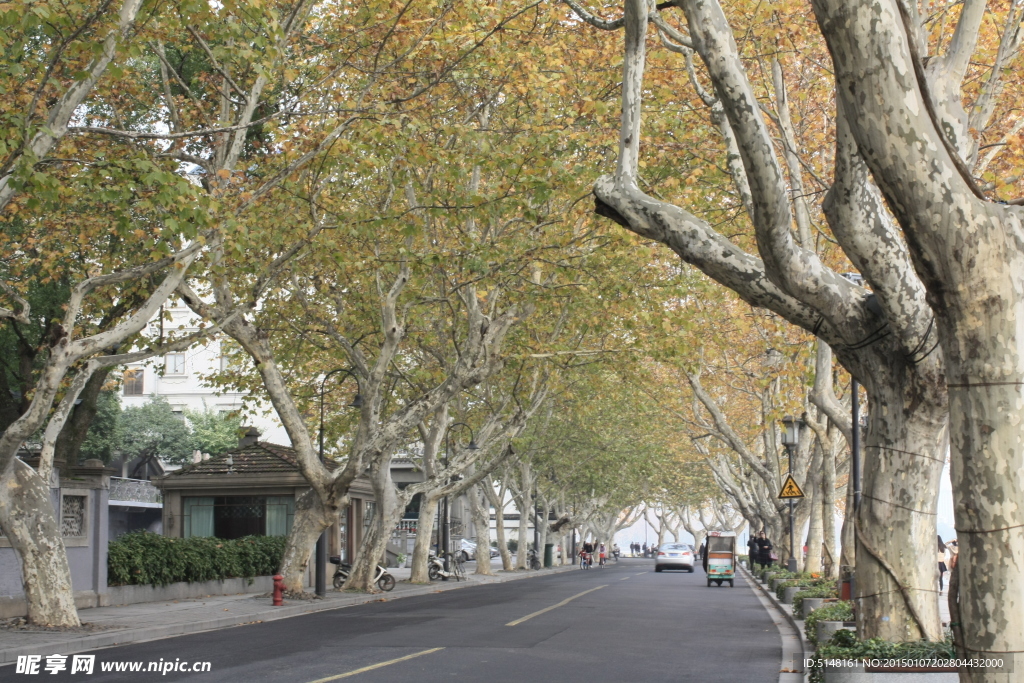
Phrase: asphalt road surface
(620, 623)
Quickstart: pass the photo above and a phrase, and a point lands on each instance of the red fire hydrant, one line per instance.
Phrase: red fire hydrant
(278, 590)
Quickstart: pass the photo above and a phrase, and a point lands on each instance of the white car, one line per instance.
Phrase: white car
(674, 556)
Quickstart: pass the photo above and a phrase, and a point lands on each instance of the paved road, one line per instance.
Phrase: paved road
(621, 623)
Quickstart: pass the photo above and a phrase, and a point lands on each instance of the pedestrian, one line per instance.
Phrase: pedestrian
(645, 548)
(954, 554)
(764, 549)
(752, 553)
(942, 562)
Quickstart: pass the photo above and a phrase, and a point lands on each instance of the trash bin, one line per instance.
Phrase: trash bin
(549, 551)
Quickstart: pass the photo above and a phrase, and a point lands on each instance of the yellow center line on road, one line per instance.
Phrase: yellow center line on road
(377, 666)
(547, 609)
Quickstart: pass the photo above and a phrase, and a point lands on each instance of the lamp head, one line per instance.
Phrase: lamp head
(472, 445)
(357, 401)
(790, 431)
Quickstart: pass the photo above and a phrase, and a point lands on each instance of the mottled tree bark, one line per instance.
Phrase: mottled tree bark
(424, 532)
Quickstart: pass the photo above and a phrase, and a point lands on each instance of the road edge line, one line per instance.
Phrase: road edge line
(789, 633)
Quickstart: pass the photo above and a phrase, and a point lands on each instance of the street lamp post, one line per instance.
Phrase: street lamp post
(446, 518)
(791, 440)
(855, 445)
(321, 545)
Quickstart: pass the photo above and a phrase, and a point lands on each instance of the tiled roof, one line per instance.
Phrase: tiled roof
(257, 458)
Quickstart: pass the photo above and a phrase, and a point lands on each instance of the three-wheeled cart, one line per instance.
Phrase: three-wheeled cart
(720, 557)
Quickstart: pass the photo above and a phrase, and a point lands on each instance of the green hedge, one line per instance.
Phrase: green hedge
(143, 557)
(844, 645)
(831, 611)
(822, 588)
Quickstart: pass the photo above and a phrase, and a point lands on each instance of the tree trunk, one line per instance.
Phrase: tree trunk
(524, 503)
(903, 458)
(311, 519)
(499, 532)
(424, 532)
(386, 516)
(828, 509)
(988, 458)
(812, 563)
(497, 499)
(541, 524)
(481, 520)
(69, 441)
(27, 519)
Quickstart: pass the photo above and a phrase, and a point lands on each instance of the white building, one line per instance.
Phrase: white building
(181, 377)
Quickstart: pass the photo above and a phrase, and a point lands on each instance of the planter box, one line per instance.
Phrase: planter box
(790, 592)
(130, 595)
(825, 629)
(775, 583)
(811, 604)
(859, 675)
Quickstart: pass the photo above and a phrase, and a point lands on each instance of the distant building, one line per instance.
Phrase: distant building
(179, 377)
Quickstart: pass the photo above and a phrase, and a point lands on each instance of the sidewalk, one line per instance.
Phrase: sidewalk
(156, 620)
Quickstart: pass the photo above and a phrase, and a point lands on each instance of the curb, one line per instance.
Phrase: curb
(787, 612)
(138, 635)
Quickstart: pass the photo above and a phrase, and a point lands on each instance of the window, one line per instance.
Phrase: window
(229, 354)
(174, 364)
(230, 517)
(369, 510)
(72, 516)
(133, 384)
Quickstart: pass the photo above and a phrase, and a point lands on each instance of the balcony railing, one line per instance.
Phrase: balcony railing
(134, 490)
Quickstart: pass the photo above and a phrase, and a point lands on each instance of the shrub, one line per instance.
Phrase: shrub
(513, 545)
(802, 579)
(822, 588)
(833, 611)
(844, 645)
(143, 557)
(780, 588)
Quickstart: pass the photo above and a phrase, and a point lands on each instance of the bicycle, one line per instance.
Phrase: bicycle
(585, 561)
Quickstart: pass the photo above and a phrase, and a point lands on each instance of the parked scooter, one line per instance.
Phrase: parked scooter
(383, 580)
(435, 568)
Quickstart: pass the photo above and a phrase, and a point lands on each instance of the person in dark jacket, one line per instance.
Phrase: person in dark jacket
(764, 549)
(753, 553)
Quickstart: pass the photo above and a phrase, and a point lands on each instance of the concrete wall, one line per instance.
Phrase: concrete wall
(87, 555)
(130, 595)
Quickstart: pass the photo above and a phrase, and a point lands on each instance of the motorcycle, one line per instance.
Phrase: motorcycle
(383, 580)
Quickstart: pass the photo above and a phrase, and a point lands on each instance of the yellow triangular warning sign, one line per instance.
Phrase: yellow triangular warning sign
(790, 489)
